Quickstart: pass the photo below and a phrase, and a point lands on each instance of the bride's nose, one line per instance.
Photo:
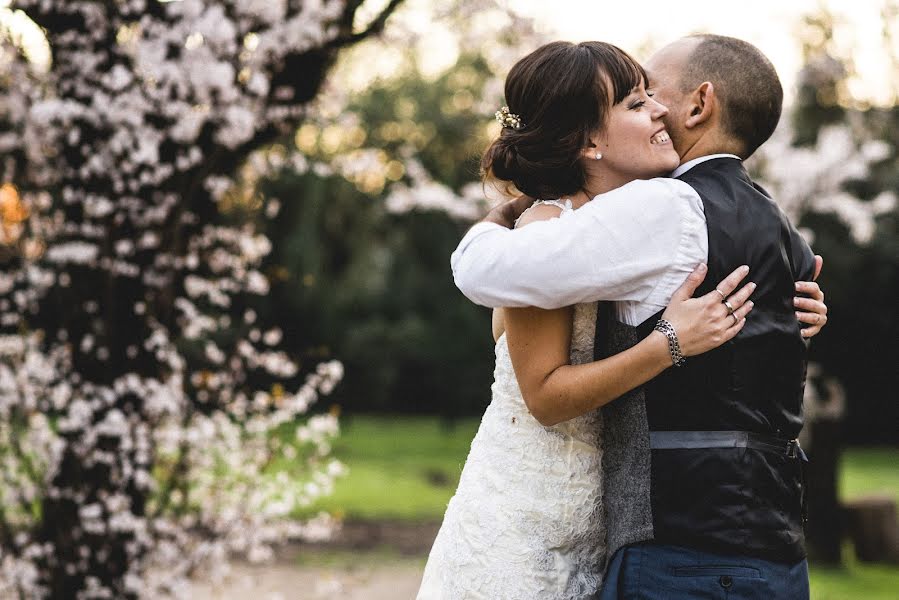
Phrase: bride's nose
(659, 110)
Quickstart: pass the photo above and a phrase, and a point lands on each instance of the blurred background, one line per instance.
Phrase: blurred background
(366, 195)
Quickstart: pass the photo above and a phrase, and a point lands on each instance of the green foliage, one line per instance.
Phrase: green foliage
(860, 344)
(437, 120)
(374, 288)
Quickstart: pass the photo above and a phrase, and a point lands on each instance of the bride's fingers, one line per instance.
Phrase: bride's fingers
(737, 320)
(815, 320)
(810, 289)
(811, 318)
(727, 285)
(688, 287)
(739, 298)
(740, 314)
(809, 305)
(732, 332)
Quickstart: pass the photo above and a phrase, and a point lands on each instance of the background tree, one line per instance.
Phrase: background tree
(140, 394)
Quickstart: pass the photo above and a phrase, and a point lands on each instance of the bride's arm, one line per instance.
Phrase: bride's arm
(539, 342)
(556, 391)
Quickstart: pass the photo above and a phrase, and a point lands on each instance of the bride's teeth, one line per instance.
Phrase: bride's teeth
(659, 138)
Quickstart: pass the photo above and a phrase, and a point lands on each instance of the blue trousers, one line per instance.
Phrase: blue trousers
(661, 572)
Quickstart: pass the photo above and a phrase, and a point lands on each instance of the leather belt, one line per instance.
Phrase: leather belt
(689, 440)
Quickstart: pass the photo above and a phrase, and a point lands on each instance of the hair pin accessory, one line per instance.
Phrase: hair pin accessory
(508, 119)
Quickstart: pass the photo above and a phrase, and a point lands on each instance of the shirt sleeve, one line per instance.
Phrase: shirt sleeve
(619, 246)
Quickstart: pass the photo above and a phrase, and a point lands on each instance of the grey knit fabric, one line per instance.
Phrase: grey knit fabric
(626, 454)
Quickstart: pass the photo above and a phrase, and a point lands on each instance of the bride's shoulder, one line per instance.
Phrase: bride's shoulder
(542, 210)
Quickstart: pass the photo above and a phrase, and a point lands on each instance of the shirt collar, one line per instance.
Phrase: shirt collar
(692, 163)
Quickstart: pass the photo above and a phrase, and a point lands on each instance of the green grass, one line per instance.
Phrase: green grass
(854, 580)
(403, 468)
(869, 470)
(862, 471)
(407, 468)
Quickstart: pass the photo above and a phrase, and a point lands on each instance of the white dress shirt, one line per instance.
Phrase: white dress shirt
(635, 245)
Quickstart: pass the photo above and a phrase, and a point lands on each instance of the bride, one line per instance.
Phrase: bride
(526, 521)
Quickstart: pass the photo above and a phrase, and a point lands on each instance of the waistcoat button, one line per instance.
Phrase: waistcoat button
(726, 581)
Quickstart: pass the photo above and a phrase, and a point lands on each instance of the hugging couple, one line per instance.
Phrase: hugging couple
(651, 345)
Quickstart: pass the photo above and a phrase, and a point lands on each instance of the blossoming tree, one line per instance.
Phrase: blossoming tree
(141, 400)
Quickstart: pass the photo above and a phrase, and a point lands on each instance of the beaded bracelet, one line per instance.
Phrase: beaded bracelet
(673, 345)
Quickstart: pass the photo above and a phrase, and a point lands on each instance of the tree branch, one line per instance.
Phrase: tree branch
(374, 28)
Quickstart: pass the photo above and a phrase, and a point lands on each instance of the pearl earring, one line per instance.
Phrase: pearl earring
(598, 156)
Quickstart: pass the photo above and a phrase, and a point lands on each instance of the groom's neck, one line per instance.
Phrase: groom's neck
(708, 144)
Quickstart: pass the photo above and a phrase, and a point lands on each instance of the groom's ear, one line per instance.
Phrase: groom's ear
(701, 105)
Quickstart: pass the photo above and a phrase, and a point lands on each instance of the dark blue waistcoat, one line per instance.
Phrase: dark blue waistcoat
(739, 500)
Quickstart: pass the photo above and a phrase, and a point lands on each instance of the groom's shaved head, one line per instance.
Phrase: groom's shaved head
(744, 80)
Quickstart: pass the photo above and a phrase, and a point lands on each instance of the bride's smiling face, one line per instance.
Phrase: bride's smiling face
(634, 143)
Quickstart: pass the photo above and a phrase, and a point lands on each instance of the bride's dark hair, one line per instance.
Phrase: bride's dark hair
(562, 93)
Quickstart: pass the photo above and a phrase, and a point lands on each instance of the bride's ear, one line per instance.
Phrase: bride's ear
(703, 103)
(592, 151)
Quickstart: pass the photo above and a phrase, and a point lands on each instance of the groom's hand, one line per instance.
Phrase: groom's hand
(507, 213)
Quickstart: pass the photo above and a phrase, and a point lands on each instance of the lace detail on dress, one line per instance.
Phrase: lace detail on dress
(526, 520)
(564, 204)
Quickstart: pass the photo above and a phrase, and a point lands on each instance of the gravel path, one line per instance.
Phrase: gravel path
(284, 582)
(365, 561)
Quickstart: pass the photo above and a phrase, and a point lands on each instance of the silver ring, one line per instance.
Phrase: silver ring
(736, 320)
(723, 295)
(729, 306)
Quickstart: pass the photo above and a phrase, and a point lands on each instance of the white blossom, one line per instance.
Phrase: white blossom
(813, 178)
(73, 252)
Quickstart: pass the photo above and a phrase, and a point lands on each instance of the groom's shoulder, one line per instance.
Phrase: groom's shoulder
(658, 187)
(659, 193)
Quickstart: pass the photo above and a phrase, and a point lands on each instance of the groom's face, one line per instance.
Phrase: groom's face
(664, 69)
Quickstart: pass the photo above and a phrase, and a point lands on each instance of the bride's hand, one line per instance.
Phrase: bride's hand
(706, 322)
(507, 213)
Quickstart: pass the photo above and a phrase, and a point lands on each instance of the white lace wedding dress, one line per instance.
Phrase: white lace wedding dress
(526, 521)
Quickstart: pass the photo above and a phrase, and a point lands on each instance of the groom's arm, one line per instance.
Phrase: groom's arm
(615, 247)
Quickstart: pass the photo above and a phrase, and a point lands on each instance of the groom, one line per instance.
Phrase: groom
(702, 486)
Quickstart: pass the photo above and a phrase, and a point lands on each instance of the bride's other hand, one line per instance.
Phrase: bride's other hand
(507, 213)
(810, 307)
(705, 323)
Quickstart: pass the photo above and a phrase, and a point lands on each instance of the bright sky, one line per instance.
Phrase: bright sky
(642, 25)
(771, 25)
(639, 25)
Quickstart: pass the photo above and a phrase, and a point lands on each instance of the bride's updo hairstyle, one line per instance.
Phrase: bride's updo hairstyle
(561, 93)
